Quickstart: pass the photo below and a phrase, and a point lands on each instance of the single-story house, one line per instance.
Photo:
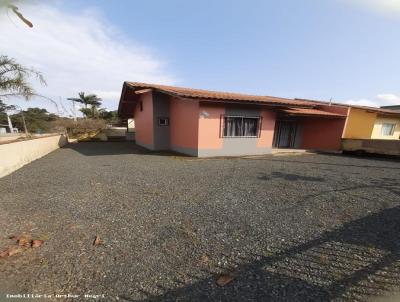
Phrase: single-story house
(207, 123)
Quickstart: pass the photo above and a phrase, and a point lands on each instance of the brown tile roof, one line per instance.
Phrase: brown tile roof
(219, 96)
(311, 112)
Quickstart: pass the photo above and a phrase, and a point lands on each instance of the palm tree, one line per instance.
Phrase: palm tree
(9, 4)
(91, 100)
(14, 79)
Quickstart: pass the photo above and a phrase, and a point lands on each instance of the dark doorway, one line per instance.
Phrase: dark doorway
(285, 134)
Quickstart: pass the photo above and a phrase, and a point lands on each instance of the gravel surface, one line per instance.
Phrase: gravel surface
(276, 228)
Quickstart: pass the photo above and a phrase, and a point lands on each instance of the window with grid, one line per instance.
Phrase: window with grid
(388, 129)
(241, 126)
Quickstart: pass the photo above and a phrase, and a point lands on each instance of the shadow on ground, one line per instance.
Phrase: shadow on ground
(356, 262)
(290, 177)
(114, 148)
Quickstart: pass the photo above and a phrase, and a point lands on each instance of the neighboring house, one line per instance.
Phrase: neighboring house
(209, 123)
(392, 107)
(372, 123)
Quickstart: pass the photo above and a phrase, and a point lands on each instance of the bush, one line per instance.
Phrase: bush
(80, 127)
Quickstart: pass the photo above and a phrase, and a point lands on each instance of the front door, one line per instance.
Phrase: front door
(285, 134)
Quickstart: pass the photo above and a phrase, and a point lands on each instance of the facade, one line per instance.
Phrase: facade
(372, 123)
(208, 123)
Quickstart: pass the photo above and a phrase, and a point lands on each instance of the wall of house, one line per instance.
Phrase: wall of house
(322, 133)
(144, 121)
(184, 126)
(377, 130)
(211, 141)
(210, 126)
(359, 124)
(267, 129)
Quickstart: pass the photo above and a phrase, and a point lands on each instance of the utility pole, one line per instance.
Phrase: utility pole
(9, 123)
(23, 121)
(73, 106)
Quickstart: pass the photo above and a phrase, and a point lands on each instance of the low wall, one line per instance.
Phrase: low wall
(14, 155)
(10, 137)
(376, 146)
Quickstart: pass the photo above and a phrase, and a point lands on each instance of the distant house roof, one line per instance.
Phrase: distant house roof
(382, 110)
(392, 107)
(311, 112)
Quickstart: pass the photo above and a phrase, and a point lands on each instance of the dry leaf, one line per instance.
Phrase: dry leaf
(24, 241)
(11, 251)
(4, 253)
(97, 241)
(37, 243)
(15, 250)
(204, 259)
(224, 279)
(19, 236)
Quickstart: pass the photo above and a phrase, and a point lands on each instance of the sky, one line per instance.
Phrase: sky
(347, 50)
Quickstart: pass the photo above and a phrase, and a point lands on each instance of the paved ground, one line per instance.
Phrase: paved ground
(286, 228)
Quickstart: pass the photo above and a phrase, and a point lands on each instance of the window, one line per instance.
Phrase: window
(163, 121)
(239, 126)
(141, 106)
(388, 129)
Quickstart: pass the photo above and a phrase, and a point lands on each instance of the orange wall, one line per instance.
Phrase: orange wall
(267, 129)
(322, 133)
(209, 126)
(184, 123)
(144, 120)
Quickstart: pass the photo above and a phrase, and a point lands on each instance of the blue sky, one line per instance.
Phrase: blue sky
(319, 49)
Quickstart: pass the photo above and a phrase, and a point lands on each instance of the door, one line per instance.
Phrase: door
(285, 134)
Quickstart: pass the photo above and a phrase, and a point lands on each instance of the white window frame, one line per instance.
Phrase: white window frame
(392, 129)
(258, 130)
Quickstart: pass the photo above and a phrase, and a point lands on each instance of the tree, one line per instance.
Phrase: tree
(4, 107)
(3, 112)
(37, 119)
(91, 100)
(8, 4)
(14, 79)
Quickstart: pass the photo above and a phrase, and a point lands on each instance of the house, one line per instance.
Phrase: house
(372, 123)
(392, 107)
(209, 123)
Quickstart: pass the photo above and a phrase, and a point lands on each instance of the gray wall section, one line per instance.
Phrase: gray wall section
(237, 146)
(161, 133)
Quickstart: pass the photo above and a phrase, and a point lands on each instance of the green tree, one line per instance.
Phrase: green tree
(3, 109)
(91, 100)
(9, 4)
(14, 79)
(37, 120)
(111, 116)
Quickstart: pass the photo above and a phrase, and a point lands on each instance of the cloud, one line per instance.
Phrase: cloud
(385, 99)
(387, 7)
(78, 52)
(362, 102)
(389, 99)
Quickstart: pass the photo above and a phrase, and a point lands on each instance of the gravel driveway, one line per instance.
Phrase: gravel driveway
(276, 228)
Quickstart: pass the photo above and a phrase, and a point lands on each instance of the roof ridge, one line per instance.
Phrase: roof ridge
(211, 94)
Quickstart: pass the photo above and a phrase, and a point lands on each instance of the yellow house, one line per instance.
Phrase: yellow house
(372, 123)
